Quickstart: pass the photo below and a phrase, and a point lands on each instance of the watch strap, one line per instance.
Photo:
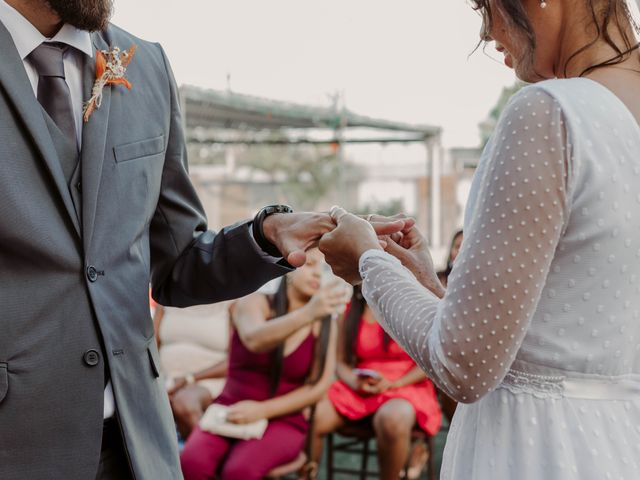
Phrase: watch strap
(258, 231)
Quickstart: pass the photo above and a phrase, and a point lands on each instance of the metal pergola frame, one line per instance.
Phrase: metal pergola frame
(208, 113)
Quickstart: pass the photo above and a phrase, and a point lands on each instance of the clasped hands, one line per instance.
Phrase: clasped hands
(344, 237)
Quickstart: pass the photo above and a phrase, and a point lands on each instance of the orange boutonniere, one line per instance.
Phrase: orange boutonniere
(111, 65)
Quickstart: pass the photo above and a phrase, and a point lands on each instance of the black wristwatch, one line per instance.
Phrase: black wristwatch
(258, 233)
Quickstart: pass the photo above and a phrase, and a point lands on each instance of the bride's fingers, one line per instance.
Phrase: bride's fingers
(397, 237)
(388, 227)
(408, 221)
(394, 249)
(337, 213)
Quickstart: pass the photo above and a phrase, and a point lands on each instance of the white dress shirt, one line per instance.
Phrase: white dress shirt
(27, 38)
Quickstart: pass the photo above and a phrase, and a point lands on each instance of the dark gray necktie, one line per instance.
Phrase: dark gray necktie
(53, 91)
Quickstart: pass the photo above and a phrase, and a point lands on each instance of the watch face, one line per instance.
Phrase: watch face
(271, 209)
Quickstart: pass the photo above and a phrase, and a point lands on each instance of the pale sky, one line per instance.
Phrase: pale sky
(405, 60)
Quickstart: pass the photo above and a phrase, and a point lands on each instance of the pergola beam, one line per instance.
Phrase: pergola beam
(208, 112)
(303, 141)
(214, 109)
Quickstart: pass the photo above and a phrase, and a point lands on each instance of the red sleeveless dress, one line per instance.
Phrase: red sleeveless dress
(393, 363)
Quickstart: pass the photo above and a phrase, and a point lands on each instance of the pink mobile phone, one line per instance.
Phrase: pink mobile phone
(366, 373)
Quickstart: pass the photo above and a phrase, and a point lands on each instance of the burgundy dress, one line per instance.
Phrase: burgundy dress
(207, 456)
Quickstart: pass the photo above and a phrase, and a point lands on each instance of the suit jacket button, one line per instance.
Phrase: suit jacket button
(91, 358)
(92, 273)
(79, 186)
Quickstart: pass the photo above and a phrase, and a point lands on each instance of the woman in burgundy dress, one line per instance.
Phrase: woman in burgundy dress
(377, 379)
(281, 361)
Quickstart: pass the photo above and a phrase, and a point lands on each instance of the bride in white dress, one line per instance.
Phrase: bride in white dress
(538, 333)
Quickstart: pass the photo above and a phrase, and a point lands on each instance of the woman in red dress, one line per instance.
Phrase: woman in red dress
(281, 361)
(377, 379)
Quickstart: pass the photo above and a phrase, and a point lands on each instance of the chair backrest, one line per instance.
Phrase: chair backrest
(203, 325)
(193, 338)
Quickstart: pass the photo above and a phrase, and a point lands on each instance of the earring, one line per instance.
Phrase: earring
(543, 4)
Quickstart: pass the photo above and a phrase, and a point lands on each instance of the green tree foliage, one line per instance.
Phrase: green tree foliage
(388, 208)
(305, 174)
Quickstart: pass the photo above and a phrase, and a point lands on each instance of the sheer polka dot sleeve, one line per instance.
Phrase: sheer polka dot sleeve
(467, 341)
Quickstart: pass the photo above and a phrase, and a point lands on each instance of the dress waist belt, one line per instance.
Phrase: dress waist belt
(623, 387)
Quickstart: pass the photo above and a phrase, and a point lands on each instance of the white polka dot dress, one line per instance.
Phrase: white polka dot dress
(538, 335)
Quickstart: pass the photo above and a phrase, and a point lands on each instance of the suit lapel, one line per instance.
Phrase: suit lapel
(13, 78)
(94, 138)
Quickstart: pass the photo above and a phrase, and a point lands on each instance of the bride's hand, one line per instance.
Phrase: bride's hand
(411, 249)
(344, 246)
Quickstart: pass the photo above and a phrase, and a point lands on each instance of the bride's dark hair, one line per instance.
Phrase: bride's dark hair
(605, 15)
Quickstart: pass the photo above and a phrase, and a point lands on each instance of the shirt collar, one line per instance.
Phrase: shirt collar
(27, 37)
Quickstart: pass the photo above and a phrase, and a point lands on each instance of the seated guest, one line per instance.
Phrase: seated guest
(378, 381)
(281, 361)
(190, 395)
(193, 345)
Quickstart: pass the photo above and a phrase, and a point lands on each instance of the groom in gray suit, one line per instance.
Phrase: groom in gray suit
(90, 214)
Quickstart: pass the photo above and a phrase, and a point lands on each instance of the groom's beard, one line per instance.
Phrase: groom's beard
(90, 15)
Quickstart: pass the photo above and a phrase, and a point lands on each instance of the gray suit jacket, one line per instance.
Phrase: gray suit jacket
(74, 281)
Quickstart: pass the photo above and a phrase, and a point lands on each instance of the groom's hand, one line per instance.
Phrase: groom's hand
(295, 233)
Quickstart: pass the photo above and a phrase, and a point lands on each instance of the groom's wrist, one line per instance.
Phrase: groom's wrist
(270, 227)
(264, 228)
